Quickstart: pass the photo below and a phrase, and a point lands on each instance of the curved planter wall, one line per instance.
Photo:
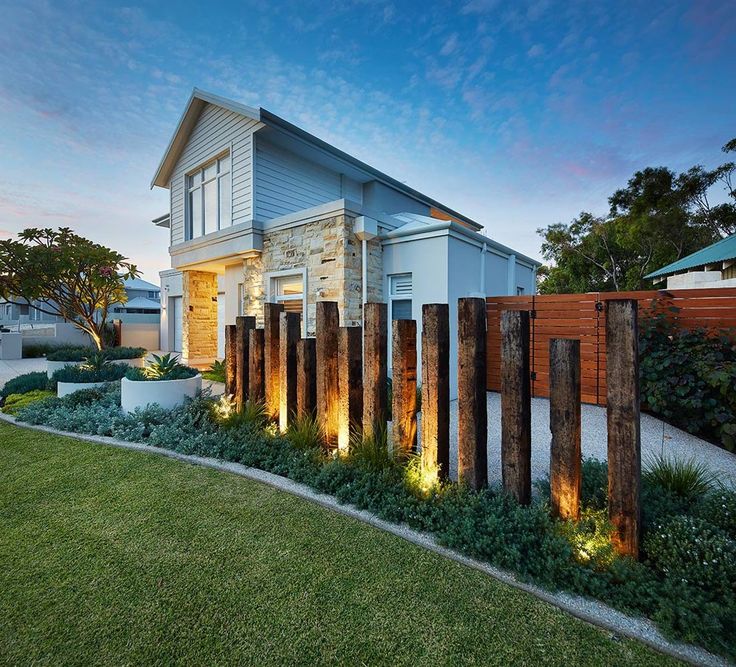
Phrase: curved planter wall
(53, 366)
(64, 388)
(166, 393)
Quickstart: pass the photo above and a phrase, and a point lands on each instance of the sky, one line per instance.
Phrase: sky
(517, 114)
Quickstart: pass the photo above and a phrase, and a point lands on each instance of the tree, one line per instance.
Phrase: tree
(656, 219)
(66, 275)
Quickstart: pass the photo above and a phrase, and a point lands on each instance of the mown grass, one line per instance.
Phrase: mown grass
(116, 557)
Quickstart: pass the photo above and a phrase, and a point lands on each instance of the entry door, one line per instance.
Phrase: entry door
(176, 314)
(221, 325)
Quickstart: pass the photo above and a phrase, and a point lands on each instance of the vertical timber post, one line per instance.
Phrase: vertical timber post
(472, 446)
(350, 383)
(256, 391)
(289, 332)
(271, 312)
(306, 377)
(436, 389)
(624, 435)
(516, 406)
(565, 476)
(243, 325)
(375, 374)
(404, 405)
(328, 398)
(230, 359)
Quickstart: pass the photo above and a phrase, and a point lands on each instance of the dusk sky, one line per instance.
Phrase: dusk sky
(517, 114)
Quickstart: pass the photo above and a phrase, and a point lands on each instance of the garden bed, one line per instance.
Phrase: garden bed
(685, 581)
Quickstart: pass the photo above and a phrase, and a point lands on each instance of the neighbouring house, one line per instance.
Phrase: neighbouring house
(713, 266)
(262, 211)
(143, 303)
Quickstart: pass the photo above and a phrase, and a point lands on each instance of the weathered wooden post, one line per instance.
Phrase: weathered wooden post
(436, 388)
(328, 396)
(472, 446)
(256, 390)
(565, 478)
(624, 436)
(271, 312)
(516, 406)
(290, 325)
(404, 404)
(350, 383)
(243, 325)
(375, 367)
(306, 377)
(230, 359)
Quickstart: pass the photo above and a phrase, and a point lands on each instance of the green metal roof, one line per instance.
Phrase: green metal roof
(720, 251)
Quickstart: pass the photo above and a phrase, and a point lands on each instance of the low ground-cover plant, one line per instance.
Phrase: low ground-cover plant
(165, 367)
(16, 402)
(688, 378)
(82, 374)
(79, 353)
(689, 600)
(36, 350)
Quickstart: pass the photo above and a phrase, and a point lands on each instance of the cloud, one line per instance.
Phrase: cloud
(450, 45)
(535, 51)
(479, 6)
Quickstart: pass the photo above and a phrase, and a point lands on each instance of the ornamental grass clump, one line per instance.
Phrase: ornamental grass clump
(687, 479)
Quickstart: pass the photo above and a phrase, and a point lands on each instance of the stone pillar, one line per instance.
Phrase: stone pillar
(375, 373)
(350, 384)
(472, 447)
(290, 325)
(306, 377)
(404, 405)
(271, 312)
(243, 326)
(328, 396)
(436, 389)
(256, 390)
(199, 317)
(230, 360)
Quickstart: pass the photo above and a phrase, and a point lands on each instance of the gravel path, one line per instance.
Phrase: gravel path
(656, 438)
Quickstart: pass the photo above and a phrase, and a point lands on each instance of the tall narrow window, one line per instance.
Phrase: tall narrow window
(400, 296)
(209, 200)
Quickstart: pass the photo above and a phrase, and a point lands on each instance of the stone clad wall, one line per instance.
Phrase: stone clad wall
(331, 253)
(199, 310)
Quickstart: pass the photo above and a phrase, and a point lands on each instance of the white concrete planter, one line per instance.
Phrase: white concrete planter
(166, 393)
(53, 366)
(64, 388)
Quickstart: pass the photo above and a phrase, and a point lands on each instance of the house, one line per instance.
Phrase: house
(262, 211)
(713, 266)
(143, 303)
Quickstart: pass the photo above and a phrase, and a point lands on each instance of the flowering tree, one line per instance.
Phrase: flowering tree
(66, 275)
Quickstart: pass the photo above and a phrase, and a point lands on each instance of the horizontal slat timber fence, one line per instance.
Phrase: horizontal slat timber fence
(583, 317)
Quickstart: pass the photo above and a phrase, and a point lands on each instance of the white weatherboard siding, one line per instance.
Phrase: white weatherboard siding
(286, 183)
(216, 131)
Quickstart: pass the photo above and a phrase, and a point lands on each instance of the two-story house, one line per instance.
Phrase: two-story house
(261, 210)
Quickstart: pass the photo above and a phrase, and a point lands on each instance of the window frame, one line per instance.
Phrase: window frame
(270, 279)
(189, 188)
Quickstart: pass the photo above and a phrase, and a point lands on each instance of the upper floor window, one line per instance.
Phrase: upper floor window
(209, 198)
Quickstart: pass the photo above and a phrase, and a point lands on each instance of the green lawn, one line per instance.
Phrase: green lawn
(110, 557)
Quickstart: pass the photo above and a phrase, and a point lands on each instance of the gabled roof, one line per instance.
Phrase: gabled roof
(142, 302)
(200, 98)
(720, 251)
(197, 101)
(139, 283)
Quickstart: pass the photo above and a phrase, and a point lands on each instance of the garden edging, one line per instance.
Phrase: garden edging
(585, 609)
